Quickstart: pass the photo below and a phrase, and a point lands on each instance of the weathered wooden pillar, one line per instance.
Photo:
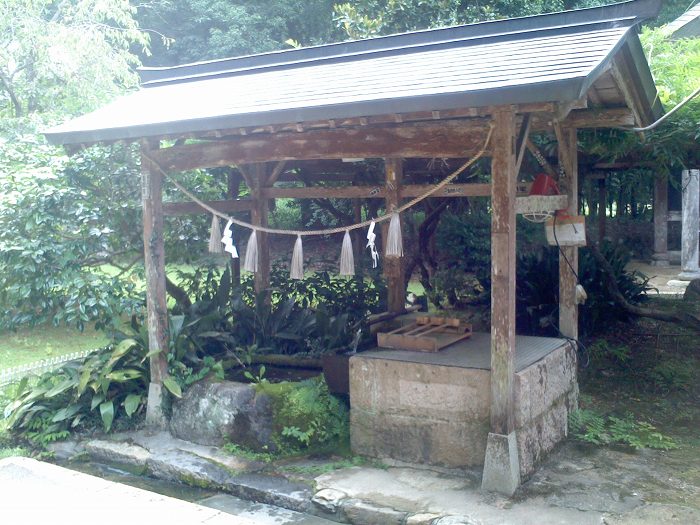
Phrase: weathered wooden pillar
(660, 256)
(393, 266)
(602, 208)
(501, 464)
(568, 184)
(156, 304)
(690, 183)
(257, 175)
(233, 182)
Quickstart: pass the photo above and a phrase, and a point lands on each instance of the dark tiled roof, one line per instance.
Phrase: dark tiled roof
(553, 57)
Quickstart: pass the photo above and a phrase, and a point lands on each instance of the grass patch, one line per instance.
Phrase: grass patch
(28, 345)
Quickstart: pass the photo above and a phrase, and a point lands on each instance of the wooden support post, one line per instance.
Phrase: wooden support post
(393, 266)
(156, 305)
(602, 208)
(259, 217)
(501, 464)
(503, 185)
(233, 182)
(660, 256)
(568, 184)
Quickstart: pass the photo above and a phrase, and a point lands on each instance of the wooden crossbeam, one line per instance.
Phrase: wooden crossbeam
(376, 192)
(457, 138)
(225, 206)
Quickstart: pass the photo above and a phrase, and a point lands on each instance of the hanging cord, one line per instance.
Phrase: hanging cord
(655, 124)
(579, 347)
(340, 229)
(561, 251)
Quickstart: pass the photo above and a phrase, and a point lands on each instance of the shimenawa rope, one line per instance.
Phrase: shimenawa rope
(328, 231)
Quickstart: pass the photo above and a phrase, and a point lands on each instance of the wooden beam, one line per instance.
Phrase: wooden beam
(190, 208)
(375, 192)
(275, 173)
(393, 266)
(600, 118)
(568, 185)
(503, 233)
(418, 140)
(156, 303)
(521, 143)
(541, 160)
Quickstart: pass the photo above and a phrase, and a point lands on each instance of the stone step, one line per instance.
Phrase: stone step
(261, 513)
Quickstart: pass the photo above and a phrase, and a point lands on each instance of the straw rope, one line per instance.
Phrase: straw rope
(339, 229)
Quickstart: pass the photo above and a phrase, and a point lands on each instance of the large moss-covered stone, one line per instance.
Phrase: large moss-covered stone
(213, 413)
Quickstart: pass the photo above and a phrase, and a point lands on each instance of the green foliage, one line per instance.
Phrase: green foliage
(467, 237)
(591, 427)
(306, 415)
(366, 18)
(66, 57)
(315, 315)
(672, 374)
(208, 29)
(54, 234)
(256, 378)
(237, 450)
(110, 382)
(621, 355)
(538, 285)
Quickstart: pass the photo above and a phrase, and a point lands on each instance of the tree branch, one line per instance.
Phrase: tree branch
(682, 318)
(179, 294)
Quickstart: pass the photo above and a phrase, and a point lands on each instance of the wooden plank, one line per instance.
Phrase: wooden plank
(540, 203)
(627, 80)
(393, 266)
(524, 204)
(451, 190)
(417, 140)
(325, 192)
(375, 192)
(568, 184)
(190, 208)
(600, 118)
(521, 143)
(503, 189)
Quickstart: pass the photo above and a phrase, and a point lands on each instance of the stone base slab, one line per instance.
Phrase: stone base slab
(439, 415)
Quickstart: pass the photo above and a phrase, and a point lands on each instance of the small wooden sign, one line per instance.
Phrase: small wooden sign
(566, 231)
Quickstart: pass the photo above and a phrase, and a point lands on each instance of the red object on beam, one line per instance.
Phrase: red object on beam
(544, 185)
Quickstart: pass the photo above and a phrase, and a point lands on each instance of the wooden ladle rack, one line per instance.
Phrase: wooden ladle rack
(425, 334)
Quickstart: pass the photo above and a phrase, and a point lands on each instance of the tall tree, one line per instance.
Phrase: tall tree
(194, 30)
(66, 56)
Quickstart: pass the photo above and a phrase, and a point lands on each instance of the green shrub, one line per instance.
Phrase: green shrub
(110, 382)
(538, 290)
(306, 416)
(591, 427)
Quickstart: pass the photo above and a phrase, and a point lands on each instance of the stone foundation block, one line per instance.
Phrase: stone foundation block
(452, 444)
(501, 464)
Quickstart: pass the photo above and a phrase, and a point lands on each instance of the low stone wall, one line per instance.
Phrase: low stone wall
(419, 413)
(439, 415)
(545, 393)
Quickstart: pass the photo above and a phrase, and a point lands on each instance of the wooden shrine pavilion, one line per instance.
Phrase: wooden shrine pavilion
(420, 95)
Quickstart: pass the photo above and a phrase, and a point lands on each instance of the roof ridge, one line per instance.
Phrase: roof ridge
(634, 11)
(415, 48)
